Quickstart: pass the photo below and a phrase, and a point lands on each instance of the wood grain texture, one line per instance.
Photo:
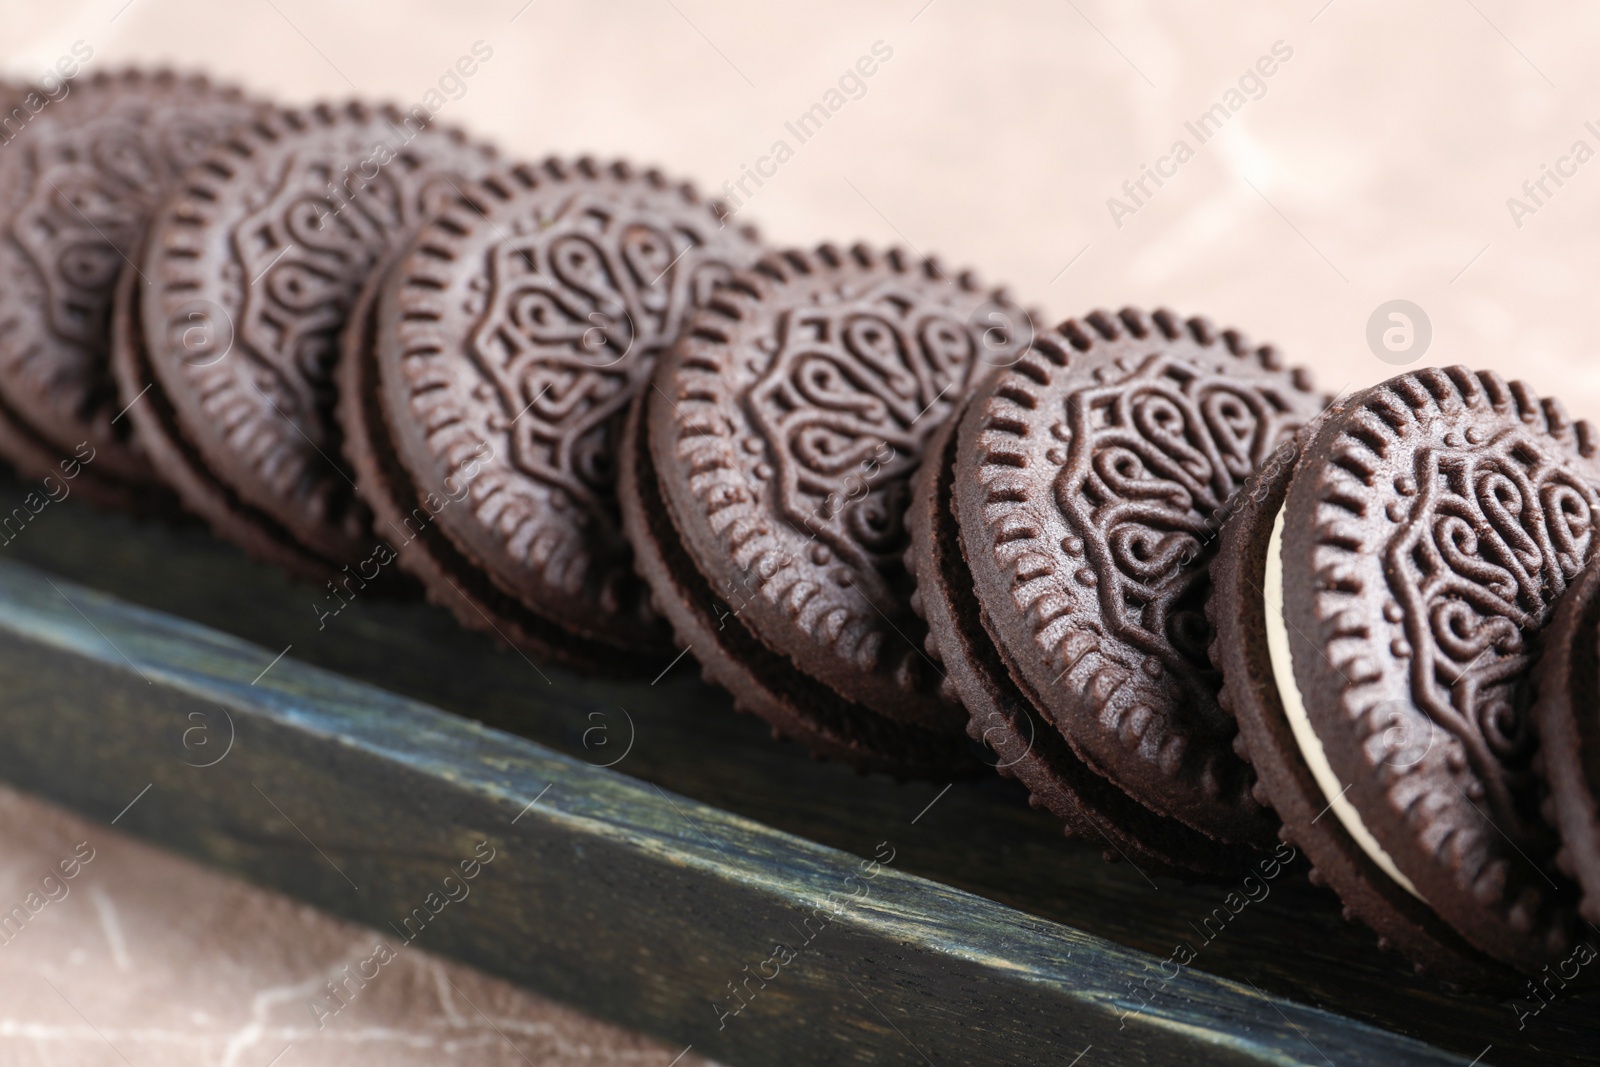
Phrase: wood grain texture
(639, 906)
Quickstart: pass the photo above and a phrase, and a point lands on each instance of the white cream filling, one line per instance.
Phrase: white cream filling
(1294, 709)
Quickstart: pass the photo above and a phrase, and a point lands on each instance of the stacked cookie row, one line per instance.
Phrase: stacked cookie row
(1187, 601)
(370, 351)
(1193, 607)
(233, 308)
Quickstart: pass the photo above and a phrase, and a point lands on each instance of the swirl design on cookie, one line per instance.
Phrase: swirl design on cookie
(1154, 456)
(1495, 533)
(852, 394)
(307, 248)
(94, 189)
(567, 303)
(71, 226)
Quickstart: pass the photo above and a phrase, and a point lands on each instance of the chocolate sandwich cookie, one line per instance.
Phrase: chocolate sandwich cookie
(1090, 480)
(1566, 716)
(1001, 718)
(485, 389)
(1377, 605)
(763, 682)
(783, 430)
(248, 277)
(82, 171)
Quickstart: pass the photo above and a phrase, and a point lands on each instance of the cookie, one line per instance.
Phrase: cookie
(79, 182)
(1377, 607)
(1568, 726)
(1090, 480)
(250, 271)
(797, 706)
(783, 430)
(1002, 719)
(484, 403)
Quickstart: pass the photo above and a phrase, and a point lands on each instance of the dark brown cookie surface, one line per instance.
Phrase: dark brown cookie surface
(1566, 715)
(1428, 531)
(78, 185)
(1089, 484)
(784, 429)
(250, 275)
(514, 333)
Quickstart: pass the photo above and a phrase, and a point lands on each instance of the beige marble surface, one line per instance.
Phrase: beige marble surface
(1376, 163)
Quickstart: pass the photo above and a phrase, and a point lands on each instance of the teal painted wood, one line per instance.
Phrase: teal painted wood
(605, 891)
